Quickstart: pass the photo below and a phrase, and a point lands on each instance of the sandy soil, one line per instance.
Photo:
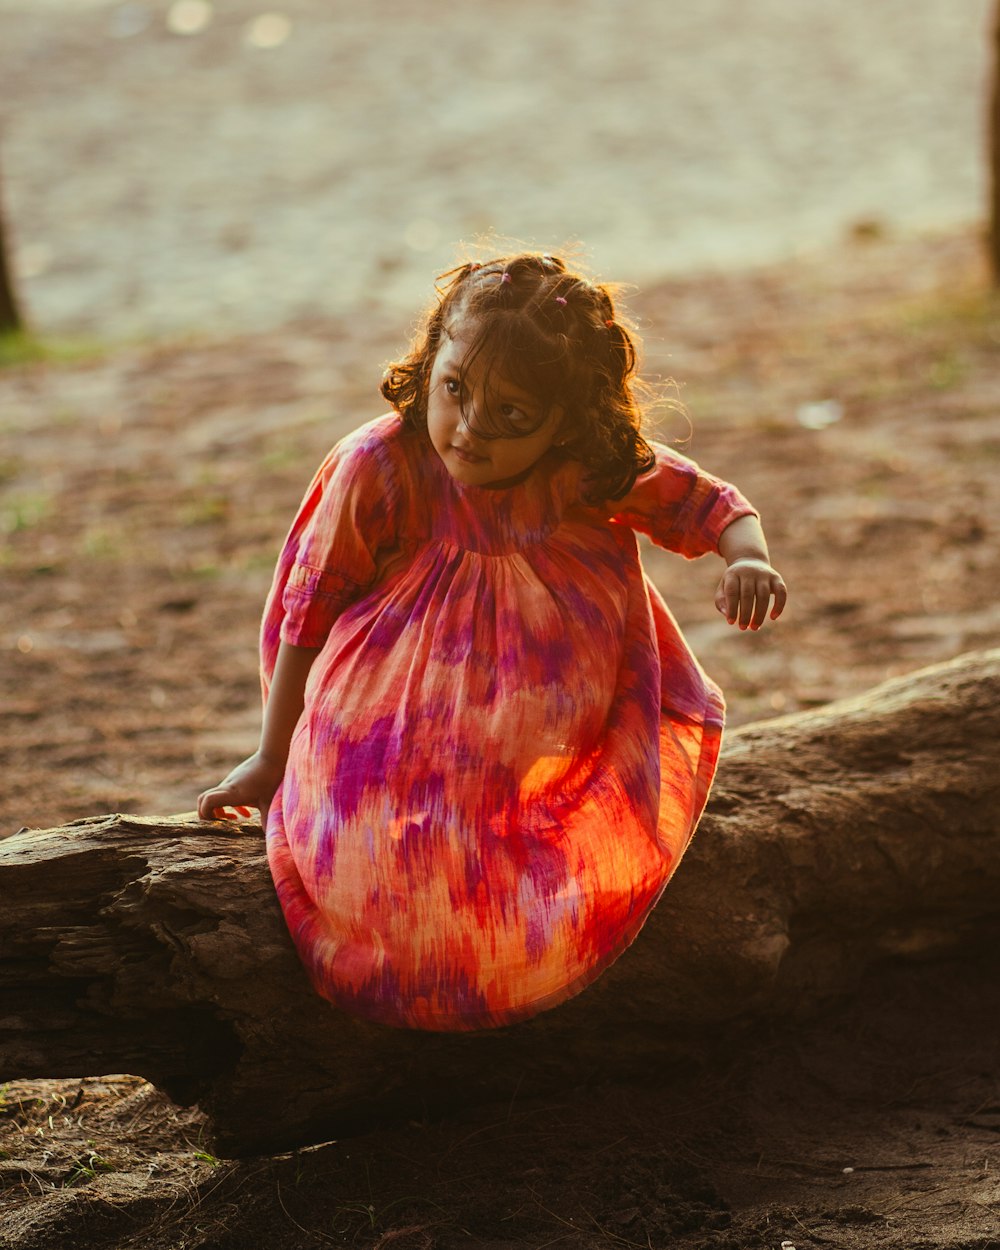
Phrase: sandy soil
(143, 497)
(145, 493)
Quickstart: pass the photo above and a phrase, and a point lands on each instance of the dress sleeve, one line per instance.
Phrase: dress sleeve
(679, 505)
(347, 516)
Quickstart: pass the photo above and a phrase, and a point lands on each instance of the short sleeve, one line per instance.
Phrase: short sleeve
(347, 516)
(679, 505)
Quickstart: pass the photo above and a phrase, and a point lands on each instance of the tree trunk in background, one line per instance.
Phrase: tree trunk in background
(861, 832)
(994, 129)
(10, 316)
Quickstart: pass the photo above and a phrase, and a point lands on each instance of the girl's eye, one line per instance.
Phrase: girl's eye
(452, 386)
(511, 412)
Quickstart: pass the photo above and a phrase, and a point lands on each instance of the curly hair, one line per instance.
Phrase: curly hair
(553, 333)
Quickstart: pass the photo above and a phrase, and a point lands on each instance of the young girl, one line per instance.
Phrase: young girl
(485, 743)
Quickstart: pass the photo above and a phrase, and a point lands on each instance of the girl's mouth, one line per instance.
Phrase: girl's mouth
(468, 457)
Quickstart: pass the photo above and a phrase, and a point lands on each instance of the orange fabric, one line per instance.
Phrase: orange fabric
(506, 743)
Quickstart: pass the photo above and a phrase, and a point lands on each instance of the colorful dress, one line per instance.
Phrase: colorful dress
(506, 743)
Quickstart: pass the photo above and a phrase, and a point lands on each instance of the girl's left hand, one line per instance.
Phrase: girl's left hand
(745, 592)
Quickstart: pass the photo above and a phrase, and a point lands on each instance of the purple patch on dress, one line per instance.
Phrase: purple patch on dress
(535, 939)
(363, 764)
(490, 713)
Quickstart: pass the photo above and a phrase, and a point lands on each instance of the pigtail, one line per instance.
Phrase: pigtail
(405, 383)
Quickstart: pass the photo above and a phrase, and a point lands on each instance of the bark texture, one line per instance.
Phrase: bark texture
(11, 320)
(834, 839)
(993, 129)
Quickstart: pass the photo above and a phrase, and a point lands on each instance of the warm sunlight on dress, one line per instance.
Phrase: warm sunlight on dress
(506, 742)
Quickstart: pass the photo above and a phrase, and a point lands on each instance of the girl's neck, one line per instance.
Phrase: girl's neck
(516, 480)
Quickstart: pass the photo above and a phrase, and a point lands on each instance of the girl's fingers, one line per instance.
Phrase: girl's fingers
(745, 601)
(205, 800)
(747, 595)
(730, 599)
(214, 805)
(763, 596)
(725, 602)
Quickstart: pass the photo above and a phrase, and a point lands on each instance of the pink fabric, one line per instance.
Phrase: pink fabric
(506, 742)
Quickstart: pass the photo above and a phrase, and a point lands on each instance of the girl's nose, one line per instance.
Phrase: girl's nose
(470, 418)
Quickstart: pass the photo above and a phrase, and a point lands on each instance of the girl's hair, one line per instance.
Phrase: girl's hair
(554, 334)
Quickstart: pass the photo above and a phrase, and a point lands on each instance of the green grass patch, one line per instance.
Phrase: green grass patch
(24, 512)
(207, 510)
(106, 542)
(25, 348)
(948, 370)
(968, 315)
(87, 1167)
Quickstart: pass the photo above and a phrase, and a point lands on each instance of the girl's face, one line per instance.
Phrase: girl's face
(454, 412)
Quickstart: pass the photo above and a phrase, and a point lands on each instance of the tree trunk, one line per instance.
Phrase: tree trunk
(10, 315)
(860, 832)
(994, 133)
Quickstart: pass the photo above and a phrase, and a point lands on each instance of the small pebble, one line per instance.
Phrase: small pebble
(819, 414)
(847, 1170)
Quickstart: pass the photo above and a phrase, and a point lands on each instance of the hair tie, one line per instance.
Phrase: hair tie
(505, 276)
(610, 323)
(561, 300)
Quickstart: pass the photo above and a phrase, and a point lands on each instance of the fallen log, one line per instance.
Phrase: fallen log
(834, 839)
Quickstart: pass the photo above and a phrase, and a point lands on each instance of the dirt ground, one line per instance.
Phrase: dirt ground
(144, 492)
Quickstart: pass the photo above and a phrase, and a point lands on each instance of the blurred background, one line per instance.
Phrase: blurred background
(224, 217)
(185, 165)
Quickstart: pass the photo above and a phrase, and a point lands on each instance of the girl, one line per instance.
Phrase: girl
(486, 744)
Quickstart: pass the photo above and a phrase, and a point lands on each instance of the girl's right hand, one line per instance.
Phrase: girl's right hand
(251, 784)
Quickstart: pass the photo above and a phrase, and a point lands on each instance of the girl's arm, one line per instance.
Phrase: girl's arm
(749, 582)
(254, 782)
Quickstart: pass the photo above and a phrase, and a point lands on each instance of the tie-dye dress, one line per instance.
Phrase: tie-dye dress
(506, 743)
